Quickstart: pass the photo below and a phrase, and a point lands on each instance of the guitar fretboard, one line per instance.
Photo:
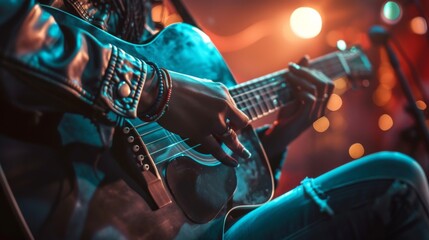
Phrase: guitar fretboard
(264, 95)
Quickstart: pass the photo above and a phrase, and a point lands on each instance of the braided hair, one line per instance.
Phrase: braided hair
(132, 16)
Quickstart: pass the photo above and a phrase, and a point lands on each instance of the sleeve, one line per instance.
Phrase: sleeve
(47, 66)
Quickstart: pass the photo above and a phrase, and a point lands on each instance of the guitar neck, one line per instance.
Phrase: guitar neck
(264, 95)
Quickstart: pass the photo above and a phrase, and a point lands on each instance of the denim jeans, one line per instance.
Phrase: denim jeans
(381, 196)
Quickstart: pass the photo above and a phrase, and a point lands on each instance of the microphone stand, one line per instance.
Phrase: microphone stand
(380, 36)
(414, 110)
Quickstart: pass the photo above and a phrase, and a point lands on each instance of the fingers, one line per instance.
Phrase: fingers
(305, 61)
(237, 119)
(301, 85)
(310, 107)
(230, 139)
(214, 147)
(322, 84)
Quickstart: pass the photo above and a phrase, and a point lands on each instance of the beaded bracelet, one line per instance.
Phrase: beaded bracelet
(148, 115)
(164, 94)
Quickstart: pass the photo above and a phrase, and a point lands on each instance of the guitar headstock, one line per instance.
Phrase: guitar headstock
(359, 67)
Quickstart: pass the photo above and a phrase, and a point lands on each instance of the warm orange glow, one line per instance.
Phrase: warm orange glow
(306, 22)
(385, 122)
(421, 105)
(173, 18)
(159, 12)
(335, 102)
(419, 25)
(321, 124)
(332, 37)
(340, 86)
(381, 96)
(356, 150)
(387, 79)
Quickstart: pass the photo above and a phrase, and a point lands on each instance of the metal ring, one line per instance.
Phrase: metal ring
(227, 132)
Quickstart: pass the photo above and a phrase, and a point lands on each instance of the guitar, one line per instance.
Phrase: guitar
(162, 185)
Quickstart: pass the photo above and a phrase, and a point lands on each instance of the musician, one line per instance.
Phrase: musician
(62, 89)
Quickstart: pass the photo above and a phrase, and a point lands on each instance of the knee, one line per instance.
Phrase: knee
(398, 166)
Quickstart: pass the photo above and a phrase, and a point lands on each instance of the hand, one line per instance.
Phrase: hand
(312, 91)
(204, 111)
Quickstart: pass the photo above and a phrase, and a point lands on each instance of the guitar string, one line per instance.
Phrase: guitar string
(161, 128)
(157, 140)
(267, 92)
(167, 146)
(236, 87)
(330, 61)
(192, 147)
(171, 145)
(244, 109)
(151, 131)
(282, 80)
(186, 150)
(257, 88)
(237, 102)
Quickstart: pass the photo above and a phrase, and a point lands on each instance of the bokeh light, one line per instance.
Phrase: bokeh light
(340, 85)
(321, 124)
(421, 105)
(419, 25)
(385, 122)
(306, 22)
(391, 12)
(356, 150)
(341, 45)
(335, 102)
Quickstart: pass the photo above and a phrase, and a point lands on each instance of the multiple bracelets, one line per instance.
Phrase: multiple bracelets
(165, 87)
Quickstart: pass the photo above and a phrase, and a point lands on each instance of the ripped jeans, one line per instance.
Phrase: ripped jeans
(381, 196)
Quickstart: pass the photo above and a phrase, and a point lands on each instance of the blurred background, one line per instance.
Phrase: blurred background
(259, 37)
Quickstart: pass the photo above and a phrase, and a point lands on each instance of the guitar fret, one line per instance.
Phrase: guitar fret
(268, 93)
(254, 104)
(261, 99)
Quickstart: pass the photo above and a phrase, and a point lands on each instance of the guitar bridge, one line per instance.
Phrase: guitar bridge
(148, 170)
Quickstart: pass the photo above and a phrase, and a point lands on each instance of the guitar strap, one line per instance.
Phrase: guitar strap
(11, 203)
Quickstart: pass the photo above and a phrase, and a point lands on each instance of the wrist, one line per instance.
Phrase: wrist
(150, 91)
(158, 93)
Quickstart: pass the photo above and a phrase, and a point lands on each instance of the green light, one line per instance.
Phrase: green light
(391, 12)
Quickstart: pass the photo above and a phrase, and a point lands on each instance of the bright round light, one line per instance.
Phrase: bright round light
(356, 150)
(341, 45)
(321, 124)
(335, 102)
(419, 25)
(306, 22)
(391, 12)
(385, 122)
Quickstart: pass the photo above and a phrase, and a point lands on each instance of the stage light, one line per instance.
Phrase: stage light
(356, 150)
(385, 122)
(306, 22)
(391, 12)
(321, 124)
(335, 102)
(419, 25)
(341, 45)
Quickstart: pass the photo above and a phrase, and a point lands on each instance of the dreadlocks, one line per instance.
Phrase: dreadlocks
(132, 14)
